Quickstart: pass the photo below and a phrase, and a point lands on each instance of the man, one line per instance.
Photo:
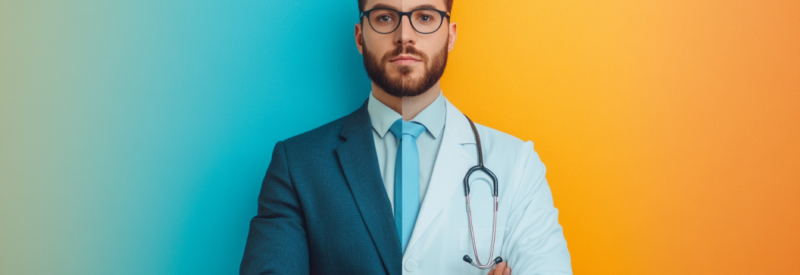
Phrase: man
(380, 191)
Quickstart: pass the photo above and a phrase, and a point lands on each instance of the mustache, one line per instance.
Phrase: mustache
(404, 50)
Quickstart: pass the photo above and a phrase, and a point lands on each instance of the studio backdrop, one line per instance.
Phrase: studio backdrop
(134, 135)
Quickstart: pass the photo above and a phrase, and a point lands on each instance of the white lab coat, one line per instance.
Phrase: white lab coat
(529, 237)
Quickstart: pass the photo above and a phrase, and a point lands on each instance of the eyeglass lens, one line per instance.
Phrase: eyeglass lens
(386, 21)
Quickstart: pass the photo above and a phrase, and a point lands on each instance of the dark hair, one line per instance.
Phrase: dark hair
(447, 3)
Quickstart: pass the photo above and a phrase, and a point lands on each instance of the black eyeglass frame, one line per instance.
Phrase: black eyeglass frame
(444, 14)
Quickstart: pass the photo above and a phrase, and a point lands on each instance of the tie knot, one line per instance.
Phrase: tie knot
(402, 128)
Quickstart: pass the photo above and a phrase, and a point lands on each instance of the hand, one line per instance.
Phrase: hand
(500, 269)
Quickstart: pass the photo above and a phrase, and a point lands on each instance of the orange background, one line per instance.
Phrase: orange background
(670, 129)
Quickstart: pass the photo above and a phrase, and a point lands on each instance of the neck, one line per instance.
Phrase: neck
(409, 106)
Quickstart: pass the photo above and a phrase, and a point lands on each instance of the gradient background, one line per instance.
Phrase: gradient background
(134, 134)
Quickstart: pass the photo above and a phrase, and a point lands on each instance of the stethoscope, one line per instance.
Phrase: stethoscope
(477, 262)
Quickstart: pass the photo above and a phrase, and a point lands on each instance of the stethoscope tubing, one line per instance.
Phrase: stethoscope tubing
(466, 258)
(477, 262)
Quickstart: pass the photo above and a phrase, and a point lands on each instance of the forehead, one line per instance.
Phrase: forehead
(405, 5)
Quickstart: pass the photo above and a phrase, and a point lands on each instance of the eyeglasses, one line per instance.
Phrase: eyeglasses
(386, 20)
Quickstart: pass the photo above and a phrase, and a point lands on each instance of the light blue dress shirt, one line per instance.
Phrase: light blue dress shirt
(382, 117)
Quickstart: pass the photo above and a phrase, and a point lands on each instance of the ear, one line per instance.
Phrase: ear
(451, 38)
(359, 39)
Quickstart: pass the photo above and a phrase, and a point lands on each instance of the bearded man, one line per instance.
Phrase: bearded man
(406, 184)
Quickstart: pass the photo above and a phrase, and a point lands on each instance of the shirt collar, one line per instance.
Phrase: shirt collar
(432, 117)
(382, 116)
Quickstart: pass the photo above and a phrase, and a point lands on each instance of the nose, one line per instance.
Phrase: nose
(406, 36)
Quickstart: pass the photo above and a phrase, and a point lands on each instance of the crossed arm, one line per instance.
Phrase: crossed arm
(535, 243)
(277, 241)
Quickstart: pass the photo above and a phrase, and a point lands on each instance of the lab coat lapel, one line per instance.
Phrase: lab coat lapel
(452, 163)
(360, 165)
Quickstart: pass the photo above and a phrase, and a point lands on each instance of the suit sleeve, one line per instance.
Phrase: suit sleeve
(276, 243)
(536, 243)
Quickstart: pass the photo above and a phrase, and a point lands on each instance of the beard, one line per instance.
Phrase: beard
(405, 85)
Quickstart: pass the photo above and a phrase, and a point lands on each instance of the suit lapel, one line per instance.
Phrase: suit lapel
(359, 162)
(452, 163)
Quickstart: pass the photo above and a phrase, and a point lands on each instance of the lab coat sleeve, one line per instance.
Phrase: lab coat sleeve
(535, 243)
(276, 243)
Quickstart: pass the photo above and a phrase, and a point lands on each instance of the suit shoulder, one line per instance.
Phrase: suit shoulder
(320, 136)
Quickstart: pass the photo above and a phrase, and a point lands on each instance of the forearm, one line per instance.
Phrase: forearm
(536, 243)
(276, 243)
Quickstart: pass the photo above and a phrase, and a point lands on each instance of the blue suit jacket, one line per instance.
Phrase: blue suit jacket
(323, 208)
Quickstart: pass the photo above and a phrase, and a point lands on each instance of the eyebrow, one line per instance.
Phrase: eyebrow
(381, 5)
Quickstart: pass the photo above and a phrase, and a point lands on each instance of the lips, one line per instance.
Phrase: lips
(404, 59)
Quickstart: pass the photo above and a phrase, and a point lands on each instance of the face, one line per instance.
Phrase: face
(404, 62)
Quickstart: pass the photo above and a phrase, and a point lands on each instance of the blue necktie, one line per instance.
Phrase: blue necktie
(406, 178)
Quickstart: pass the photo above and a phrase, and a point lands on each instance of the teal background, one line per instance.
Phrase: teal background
(134, 135)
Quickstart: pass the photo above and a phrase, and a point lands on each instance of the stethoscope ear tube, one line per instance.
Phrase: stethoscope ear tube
(480, 163)
(480, 167)
(485, 170)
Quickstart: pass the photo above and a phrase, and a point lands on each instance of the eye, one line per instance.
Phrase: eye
(385, 18)
(425, 18)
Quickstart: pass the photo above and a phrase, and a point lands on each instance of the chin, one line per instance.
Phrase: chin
(410, 73)
(408, 78)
